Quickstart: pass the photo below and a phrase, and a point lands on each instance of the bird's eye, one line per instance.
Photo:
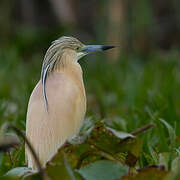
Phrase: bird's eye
(77, 48)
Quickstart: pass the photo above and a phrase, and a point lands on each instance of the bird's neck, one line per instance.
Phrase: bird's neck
(69, 65)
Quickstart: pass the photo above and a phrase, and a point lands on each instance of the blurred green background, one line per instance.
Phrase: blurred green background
(134, 84)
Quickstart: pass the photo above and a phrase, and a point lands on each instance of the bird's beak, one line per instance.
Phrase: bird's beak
(92, 48)
(95, 48)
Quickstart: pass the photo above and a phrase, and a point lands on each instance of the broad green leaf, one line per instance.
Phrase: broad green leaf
(133, 148)
(103, 170)
(106, 142)
(109, 139)
(18, 172)
(59, 168)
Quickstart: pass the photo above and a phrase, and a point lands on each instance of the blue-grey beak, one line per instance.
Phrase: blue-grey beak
(95, 48)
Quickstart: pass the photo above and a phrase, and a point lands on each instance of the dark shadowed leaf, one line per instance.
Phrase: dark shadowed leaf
(8, 141)
(109, 140)
(9, 178)
(59, 168)
(147, 174)
(101, 143)
(106, 143)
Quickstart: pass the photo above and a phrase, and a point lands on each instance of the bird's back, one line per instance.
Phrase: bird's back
(47, 131)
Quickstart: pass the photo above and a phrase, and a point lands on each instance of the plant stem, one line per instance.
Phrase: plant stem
(20, 133)
(144, 128)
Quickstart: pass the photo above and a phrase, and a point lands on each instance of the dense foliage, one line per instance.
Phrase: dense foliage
(124, 96)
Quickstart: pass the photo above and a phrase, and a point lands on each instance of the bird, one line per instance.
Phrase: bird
(57, 104)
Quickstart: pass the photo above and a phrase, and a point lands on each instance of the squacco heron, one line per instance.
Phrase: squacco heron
(57, 105)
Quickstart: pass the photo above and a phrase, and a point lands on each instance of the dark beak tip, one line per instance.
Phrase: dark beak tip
(104, 48)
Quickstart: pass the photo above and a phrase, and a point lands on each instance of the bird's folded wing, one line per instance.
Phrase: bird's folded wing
(66, 109)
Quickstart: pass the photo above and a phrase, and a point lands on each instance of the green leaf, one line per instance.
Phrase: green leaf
(59, 168)
(175, 164)
(171, 131)
(18, 172)
(175, 173)
(103, 170)
(147, 174)
(105, 142)
(120, 134)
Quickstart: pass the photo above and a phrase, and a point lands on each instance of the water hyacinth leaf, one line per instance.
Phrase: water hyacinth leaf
(80, 155)
(18, 172)
(59, 168)
(103, 170)
(107, 142)
(133, 148)
(104, 139)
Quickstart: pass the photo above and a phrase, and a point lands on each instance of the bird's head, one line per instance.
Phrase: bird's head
(63, 43)
(59, 46)
(54, 57)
